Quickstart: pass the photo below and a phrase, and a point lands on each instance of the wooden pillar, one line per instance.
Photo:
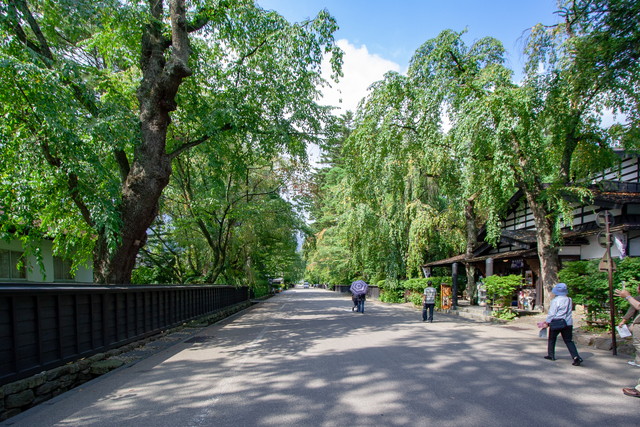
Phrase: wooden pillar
(489, 267)
(454, 284)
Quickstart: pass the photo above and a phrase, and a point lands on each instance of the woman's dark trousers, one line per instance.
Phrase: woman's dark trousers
(567, 337)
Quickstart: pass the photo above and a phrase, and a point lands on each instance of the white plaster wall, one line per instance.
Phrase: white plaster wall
(593, 250)
(34, 272)
(570, 250)
(84, 274)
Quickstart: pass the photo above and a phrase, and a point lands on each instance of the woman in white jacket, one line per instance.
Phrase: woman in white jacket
(560, 310)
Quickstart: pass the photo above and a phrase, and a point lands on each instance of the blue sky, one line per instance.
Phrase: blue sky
(378, 36)
(395, 29)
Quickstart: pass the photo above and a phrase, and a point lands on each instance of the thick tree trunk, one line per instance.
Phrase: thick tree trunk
(544, 221)
(547, 251)
(151, 167)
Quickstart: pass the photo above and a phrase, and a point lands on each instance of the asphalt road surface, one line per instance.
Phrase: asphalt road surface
(303, 358)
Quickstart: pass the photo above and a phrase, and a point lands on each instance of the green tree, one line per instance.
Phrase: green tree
(224, 220)
(590, 287)
(586, 70)
(396, 159)
(423, 174)
(408, 179)
(325, 248)
(518, 136)
(99, 98)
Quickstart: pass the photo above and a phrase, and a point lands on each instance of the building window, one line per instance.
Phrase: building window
(9, 265)
(61, 269)
(633, 209)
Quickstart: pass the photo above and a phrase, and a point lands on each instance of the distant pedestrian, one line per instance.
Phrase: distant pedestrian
(358, 291)
(560, 321)
(633, 315)
(354, 299)
(428, 302)
(630, 391)
(360, 303)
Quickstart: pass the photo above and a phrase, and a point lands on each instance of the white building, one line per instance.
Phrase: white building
(56, 269)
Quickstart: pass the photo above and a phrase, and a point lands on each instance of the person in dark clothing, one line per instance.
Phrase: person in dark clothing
(361, 299)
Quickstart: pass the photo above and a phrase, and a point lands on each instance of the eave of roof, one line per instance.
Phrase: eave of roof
(500, 255)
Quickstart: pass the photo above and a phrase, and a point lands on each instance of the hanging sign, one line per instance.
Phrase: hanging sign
(604, 263)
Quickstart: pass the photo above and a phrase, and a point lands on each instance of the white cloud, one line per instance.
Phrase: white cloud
(360, 69)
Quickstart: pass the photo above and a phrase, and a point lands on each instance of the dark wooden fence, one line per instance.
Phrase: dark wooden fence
(42, 327)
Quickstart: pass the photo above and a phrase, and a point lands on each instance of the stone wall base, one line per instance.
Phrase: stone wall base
(21, 395)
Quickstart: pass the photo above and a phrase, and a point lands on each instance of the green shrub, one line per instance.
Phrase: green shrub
(505, 313)
(412, 288)
(589, 286)
(260, 290)
(628, 271)
(420, 284)
(417, 285)
(416, 298)
(500, 289)
(390, 292)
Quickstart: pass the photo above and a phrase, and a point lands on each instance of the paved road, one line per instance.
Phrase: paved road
(303, 358)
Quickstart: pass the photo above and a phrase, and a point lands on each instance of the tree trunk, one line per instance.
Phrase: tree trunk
(472, 238)
(151, 167)
(547, 251)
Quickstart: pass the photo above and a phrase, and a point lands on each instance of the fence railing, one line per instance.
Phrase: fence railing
(42, 327)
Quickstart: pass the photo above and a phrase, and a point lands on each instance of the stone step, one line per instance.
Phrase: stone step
(472, 313)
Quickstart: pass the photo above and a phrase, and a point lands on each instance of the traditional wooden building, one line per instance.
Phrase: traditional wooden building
(50, 269)
(616, 190)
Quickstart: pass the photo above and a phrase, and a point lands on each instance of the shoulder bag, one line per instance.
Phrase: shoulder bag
(556, 324)
(560, 323)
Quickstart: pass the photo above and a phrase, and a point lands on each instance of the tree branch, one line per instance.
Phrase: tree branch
(72, 182)
(406, 127)
(15, 23)
(457, 62)
(43, 47)
(201, 19)
(251, 52)
(184, 147)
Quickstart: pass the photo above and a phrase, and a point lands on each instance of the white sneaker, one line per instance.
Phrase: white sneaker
(632, 363)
